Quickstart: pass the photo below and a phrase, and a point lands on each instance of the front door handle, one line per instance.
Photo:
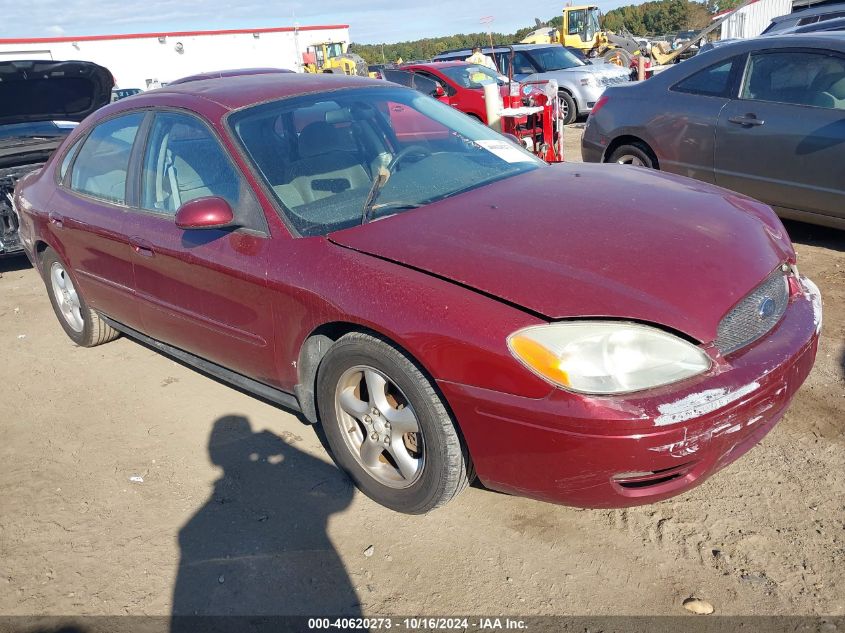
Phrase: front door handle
(56, 220)
(142, 247)
(749, 120)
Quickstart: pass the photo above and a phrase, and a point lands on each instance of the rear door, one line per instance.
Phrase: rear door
(88, 215)
(782, 141)
(202, 291)
(684, 127)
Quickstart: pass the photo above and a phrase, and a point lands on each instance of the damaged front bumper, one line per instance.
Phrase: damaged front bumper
(606, 452)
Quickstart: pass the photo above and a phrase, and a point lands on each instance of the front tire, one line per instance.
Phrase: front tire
(568, 109)
(635, 154)
(82, 324)
(387, 428)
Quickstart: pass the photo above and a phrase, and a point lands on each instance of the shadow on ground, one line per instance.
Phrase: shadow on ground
(14, 264)
(842, 363)
(815, 235)
(259, 545)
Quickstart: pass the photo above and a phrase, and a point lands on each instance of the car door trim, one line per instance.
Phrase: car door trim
(196, 318)
(255, 387)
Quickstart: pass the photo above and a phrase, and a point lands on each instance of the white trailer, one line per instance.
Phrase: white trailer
(147, 60)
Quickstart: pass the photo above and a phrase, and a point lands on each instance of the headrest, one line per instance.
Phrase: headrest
(324, 138)
(837, 89)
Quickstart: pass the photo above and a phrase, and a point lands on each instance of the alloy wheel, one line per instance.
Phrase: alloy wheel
(630, 159)
(379, 426)
(66, 297)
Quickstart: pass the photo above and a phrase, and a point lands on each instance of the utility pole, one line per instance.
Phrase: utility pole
(488, 20)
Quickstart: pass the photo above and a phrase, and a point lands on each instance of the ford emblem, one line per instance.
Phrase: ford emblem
(766, 308)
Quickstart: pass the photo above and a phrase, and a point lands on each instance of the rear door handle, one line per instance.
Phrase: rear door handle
(749, 120)
(142, 247)
(56, 220)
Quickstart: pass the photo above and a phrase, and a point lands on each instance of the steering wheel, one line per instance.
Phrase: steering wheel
(411, 150)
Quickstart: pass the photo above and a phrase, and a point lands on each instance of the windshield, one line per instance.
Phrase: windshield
(471, 76)
(37, 129)
(321, 153)
(554, 58)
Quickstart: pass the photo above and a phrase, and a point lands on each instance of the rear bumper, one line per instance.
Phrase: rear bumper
(606, 452)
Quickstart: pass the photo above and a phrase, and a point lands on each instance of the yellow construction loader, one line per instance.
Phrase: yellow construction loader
(333, 57)
(581, 29)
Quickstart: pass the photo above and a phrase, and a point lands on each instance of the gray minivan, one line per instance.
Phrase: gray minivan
(763, 117)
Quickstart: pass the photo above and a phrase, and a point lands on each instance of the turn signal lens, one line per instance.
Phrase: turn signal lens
(606, 357)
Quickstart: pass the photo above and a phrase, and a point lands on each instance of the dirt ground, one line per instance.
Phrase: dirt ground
(236, 507)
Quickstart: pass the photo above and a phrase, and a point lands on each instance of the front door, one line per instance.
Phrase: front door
(782, 141)
(202, 291)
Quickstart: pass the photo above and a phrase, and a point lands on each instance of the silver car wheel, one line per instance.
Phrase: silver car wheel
(66, 297)
(379, 426)
(564, 108)
(630, 159)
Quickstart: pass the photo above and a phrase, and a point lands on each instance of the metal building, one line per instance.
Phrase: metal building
(146, 60)
(751, 20)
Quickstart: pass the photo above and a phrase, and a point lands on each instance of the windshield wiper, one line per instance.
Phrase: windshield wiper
(379, 181)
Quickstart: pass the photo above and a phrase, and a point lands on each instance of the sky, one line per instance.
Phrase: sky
(371, 21)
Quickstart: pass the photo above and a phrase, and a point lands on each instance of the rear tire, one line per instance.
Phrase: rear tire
(387, 427)
(637, 154)
(83, 325)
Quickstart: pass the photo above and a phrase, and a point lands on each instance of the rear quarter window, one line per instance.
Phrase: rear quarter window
(713, 81)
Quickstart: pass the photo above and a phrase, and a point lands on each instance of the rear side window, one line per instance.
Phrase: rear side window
(797, 78)
(66, 161)
(713, 81)
(100, 168)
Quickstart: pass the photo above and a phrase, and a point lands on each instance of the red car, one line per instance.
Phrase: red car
(462, 84)
(411, 281)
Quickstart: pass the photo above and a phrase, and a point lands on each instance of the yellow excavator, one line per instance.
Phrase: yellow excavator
(581, 29)
(333, 57)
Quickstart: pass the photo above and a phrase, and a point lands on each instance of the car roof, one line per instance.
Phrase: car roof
(244, 90)
(805, 13)
(446, 64)
(497, 47)
(820, 39)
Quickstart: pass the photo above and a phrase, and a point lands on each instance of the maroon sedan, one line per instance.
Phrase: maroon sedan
(412, 282)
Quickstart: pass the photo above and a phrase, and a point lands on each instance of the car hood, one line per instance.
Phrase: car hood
(592, 241)
(49, 90)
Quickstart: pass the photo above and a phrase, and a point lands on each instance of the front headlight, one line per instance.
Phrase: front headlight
(606, 357)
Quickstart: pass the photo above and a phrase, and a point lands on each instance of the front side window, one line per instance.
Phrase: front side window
(577, 21)
(713, 81)
(100, 168)
(183, 162)
(796, 77)
(328, 175)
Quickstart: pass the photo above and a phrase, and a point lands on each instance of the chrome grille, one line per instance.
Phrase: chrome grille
(755, 315)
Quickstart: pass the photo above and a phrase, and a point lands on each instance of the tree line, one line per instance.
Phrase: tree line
(658, 17)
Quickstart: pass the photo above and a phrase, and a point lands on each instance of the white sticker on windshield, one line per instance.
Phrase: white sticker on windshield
(505, 150)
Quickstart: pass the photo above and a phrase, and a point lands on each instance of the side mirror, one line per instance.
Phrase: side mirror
(439, 91)
(205, 213)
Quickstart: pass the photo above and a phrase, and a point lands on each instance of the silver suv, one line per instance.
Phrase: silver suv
(580, 84)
